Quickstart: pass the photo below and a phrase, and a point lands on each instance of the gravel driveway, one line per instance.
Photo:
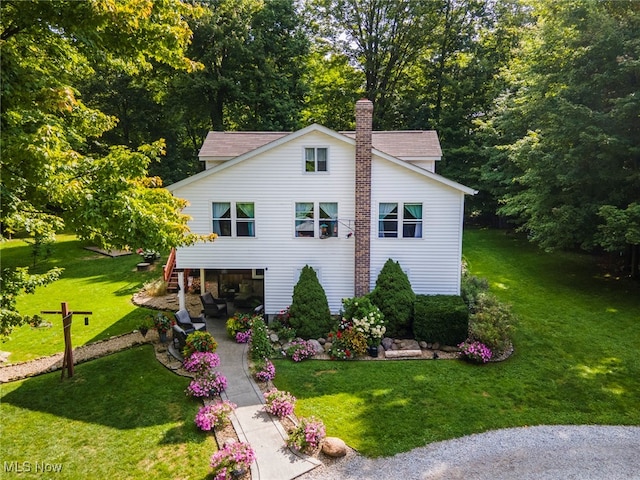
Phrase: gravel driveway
(528, 453)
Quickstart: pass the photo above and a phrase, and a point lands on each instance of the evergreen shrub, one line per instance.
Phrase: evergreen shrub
(441, 318)
(309, 312)
(394, 297)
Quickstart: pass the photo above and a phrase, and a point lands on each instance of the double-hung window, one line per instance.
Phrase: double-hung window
(222, 218)
(245, 219)
(319, 217)
(234, 219)
(393, 215)
(305, 219)
(315, 159)
(328, 219)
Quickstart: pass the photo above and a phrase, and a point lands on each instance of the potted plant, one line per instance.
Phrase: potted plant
(162, 324)
(145, 325)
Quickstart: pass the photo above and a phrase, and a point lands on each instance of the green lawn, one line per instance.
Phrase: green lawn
(124, 416)
(576, 361)
(90, 282)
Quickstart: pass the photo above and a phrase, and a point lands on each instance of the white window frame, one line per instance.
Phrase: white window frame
(316, 220)
(402, 222)
(234, 219)
(315, 149)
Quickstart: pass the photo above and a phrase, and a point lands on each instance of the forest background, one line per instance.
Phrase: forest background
(536, 102)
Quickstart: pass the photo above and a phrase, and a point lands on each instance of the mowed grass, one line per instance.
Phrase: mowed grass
(124, 416)
(576, 361)
(90, 282)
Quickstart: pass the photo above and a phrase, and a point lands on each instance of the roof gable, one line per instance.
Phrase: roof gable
(269, 140)
(406, 145)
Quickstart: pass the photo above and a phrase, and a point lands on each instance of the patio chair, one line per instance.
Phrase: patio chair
(213, 307)
(180, 336)
(187, 322)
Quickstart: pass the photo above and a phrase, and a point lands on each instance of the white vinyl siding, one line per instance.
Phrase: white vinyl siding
(276, 183)
(433, 259)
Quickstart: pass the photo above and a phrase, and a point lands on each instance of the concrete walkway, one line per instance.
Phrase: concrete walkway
(265, 434)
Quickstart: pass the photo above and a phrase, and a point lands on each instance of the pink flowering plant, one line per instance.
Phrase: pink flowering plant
(208, 385)
(232, 461)
(243, 337)
(265, 371)
(474, 351)
(307, 435)
(214, 415)
(201, 362)
(299, 350)
(279, 403)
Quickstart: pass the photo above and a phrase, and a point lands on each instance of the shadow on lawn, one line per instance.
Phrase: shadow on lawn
(126, 390)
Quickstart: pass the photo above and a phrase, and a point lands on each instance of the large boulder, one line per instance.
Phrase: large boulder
(334, 447)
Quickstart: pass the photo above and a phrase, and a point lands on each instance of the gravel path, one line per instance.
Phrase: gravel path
(541, 453)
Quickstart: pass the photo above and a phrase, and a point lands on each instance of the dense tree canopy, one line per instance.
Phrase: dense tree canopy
(536, 103)
(566, 155)
(56, 171)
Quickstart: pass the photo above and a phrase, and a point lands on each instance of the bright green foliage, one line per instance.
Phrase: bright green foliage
(621, 229)
(15, 282)
(566, 131)
(261, 347)
(309, 312)
(492, 323)
(441, 318)
(394, 297)
(56, 172)
(334, 87)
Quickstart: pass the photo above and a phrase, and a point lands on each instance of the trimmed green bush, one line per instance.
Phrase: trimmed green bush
(394, 297)
(309, 312)
(492, 323)
(441, 318)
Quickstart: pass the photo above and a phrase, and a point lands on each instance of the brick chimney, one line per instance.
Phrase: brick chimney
(364, 122)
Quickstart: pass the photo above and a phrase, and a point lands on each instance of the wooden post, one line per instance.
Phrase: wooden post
(67, 317)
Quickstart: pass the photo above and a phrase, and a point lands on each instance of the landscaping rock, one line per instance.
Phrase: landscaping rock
(387, 343)
(403, 353)
(407, 344)
(448, 348)
(423, 345)
(274, 338)
(316, 346)
(327, 347)
(322, 341)
(334, 447)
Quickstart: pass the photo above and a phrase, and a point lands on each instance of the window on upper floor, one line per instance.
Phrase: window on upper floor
(234, 219)
(315, 159)
(393, 215)
(321, 217)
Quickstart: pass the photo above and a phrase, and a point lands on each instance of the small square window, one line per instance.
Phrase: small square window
(315, 159)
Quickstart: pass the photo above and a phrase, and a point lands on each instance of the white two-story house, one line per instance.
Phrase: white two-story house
(341, 202)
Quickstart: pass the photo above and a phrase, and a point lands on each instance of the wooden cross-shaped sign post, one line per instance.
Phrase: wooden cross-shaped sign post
(67, 316)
